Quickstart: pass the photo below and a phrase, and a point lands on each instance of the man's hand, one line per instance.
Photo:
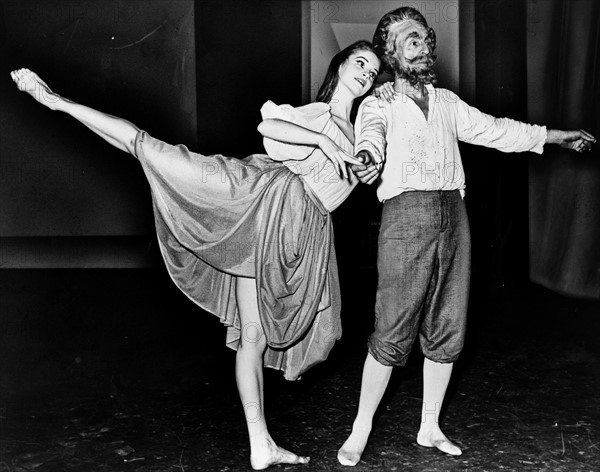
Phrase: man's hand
(577, 140)
(336, 155)
(385, 92)
(368, 171)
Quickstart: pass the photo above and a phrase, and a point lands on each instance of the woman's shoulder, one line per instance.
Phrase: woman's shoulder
(308, 112)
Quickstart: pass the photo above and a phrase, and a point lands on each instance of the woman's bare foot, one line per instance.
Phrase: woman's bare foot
(435, 438)
(351, 451)
(266, 453)
(30, 82)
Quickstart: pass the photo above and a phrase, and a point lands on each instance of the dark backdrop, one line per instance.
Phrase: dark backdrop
(130, 59)
(138, 60)
(187, 72)
(247, 52)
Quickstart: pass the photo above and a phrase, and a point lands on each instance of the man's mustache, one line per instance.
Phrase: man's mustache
(423, 58)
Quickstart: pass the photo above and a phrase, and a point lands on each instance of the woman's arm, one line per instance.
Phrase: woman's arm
(287, 132)
(116, 131)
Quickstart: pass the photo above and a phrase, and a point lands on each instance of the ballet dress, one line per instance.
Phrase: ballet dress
(266, 217)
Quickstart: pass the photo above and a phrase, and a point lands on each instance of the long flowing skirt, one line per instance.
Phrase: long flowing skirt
(219, 218)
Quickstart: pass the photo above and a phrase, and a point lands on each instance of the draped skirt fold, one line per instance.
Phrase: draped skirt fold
(218, 218)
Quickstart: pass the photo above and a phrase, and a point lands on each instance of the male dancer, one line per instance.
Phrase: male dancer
(424, 241)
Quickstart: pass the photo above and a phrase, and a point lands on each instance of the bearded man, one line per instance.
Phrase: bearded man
(411, 145)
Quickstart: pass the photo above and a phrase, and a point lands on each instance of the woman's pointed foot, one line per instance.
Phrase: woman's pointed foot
(28, 81)
(266, 453)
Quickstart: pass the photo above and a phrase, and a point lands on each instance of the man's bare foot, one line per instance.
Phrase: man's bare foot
(351, 451)
(30, 82)
(435, 438)
(266, 453)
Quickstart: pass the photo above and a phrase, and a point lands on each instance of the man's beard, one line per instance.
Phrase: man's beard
(422, 74)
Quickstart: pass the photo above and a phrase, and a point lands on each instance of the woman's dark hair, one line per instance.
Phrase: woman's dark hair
(331, 78)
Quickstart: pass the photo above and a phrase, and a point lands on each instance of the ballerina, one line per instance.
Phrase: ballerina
(251, 240)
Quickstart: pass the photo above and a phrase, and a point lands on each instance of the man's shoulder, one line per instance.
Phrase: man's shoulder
(370, 100)
(372, 104)
(445, 95)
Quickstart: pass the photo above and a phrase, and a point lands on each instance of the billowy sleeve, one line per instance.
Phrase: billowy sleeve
(370, 129)
(504, 134)
(313, 116)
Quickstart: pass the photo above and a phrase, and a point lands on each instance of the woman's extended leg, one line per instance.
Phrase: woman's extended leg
(249, 376)
(116, 131)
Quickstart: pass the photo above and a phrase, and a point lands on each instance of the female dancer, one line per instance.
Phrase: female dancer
(251, 240)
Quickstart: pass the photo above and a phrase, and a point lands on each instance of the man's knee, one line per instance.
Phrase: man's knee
(388, 353)
(445, 352)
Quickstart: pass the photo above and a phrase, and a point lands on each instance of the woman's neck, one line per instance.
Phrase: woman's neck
(341, 105)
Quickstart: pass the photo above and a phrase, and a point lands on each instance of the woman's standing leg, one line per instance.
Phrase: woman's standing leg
(249, 377)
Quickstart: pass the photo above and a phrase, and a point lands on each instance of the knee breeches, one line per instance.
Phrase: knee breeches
(424, 273)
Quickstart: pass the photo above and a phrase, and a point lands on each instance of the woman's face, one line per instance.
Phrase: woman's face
(359, 72)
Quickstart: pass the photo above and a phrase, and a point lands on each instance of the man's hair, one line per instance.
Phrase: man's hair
(384, 42)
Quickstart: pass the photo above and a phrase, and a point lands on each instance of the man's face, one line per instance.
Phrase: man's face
(412, 48)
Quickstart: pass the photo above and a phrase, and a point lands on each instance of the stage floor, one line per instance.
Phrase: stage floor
(116, 370)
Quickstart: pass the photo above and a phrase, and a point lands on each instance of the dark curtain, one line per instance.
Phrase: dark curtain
(563, 48)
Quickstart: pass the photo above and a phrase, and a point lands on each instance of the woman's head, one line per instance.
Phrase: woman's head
(356, 67)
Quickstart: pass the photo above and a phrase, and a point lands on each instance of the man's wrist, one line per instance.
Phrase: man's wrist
(553, 136)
